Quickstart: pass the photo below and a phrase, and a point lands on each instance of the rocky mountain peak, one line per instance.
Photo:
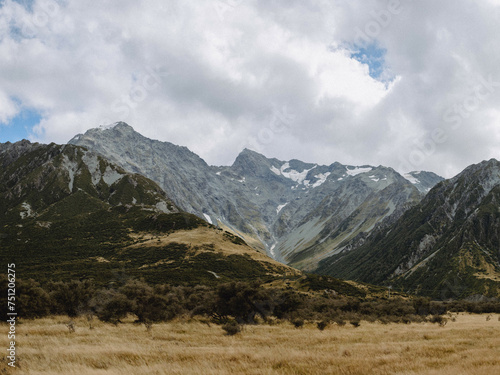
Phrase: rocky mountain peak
(283, 207)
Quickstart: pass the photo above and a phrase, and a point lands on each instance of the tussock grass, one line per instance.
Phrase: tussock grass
(467, 346)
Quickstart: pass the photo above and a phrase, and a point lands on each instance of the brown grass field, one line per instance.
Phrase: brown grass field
(469, 345)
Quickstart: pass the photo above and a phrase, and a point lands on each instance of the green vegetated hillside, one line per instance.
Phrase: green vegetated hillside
(445, 247)
(67, 213)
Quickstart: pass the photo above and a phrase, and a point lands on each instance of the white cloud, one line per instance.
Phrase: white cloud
(214, 76)
(8, 108)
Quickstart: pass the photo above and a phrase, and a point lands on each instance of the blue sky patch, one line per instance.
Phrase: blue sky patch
(373, 56)
(28, 4)
(20, 127)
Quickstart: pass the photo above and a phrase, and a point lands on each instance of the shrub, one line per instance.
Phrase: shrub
(355, 323)
(231, 328)
(32, 300)
(111, 306)
(71, 298)
(244, 301)
(298, 322)
(421, 305)
(322, 325)
(441, 320)
(340, 322)
(287, 303)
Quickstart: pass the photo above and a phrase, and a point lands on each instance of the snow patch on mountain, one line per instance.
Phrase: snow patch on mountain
(280, 207)
(358, 170)
(162, 206)
(271, 251)
(412, 179)
(294, 175)
(27, 211)
(275, 170)
(321, 179)
(107, 127)
(207, 218)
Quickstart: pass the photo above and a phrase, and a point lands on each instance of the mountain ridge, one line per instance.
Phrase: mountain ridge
(446, 244)
(68, 213)
(258, 198)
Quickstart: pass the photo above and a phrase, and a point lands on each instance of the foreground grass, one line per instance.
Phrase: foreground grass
(469, 345)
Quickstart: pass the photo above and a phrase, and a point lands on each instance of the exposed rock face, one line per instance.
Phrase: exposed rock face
(446, 246)
(423, 181)
(298, 212)
(184, 176)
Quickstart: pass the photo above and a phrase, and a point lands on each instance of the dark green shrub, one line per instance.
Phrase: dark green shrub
(438, 319)
(111, 306)
(231, 328)
(298, 322)
(244, 301)
(287, 303)
(71, 298)
(322, 325)
(32, 301)
(355, 323)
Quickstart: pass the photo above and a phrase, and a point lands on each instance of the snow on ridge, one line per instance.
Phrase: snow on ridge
(321, 179)
(107, 127)
(294, 175)
(208, 219)
(280, 207)
(275, 170)
(411, 178)
(357, 170)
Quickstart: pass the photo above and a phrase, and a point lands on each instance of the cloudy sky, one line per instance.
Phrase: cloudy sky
(409, 84)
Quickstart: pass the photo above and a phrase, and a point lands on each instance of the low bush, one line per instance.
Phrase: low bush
(243, 302)
(231, 328)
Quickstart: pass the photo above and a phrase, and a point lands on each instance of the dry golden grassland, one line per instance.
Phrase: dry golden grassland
(469, 345)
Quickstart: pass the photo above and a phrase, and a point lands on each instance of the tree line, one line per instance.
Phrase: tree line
(235, 302)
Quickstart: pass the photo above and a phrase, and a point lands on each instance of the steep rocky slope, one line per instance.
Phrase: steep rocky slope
(447, 246)
(298, 212)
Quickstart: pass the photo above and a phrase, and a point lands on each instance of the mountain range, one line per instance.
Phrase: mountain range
(113, 199)
(446, 246)
(67, 212)
(299, 213)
